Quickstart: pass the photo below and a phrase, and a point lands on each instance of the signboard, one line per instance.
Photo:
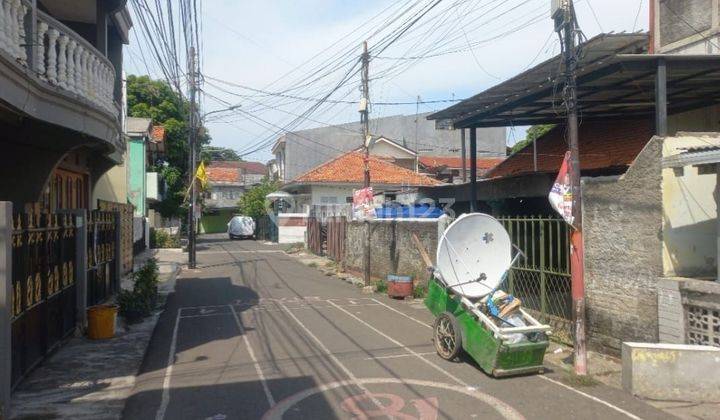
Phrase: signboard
(561, 196)
(363, 206)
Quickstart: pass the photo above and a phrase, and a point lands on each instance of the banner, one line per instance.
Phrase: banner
(363, 206)
(561, 197)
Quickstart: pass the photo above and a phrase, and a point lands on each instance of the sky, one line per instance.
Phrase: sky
(467, 46)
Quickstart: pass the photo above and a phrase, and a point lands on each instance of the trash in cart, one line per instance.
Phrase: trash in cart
(472, 311)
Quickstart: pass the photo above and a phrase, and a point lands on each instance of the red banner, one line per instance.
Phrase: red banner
(561, 197)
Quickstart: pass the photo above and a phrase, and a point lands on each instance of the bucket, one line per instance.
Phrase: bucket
(399, 287)
(101, 321)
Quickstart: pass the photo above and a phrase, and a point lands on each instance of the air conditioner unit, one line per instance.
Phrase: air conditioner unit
(558, 7)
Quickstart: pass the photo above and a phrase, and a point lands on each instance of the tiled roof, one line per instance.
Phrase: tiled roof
(228, 175)
(483, 164)
(158, 133)
(349, 168)
(604, 145)
(255, 168)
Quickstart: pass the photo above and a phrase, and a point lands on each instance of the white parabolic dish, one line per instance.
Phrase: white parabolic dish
(475, 246)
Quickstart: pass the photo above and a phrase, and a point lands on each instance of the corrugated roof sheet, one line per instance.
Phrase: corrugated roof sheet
(349, 168)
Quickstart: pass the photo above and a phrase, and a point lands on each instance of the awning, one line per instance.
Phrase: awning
(279, 195)
(615, 79)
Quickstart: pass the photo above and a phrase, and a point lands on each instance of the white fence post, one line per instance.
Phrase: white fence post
(6, 231)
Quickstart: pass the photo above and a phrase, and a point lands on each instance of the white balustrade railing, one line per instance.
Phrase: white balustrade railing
(63, 58)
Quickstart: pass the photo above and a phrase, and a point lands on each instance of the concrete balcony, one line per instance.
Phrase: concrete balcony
(62, 79)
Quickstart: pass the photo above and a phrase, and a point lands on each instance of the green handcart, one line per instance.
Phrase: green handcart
(473, 259)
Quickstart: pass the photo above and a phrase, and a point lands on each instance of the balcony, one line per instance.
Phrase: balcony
(62, 79)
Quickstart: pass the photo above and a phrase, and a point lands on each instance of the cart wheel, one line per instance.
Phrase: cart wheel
(448, 341)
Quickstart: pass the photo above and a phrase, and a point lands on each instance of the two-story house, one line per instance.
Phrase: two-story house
(60, 131)
(227, 182)
(300, 151)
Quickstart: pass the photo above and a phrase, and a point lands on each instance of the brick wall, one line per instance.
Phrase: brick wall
(623, 252)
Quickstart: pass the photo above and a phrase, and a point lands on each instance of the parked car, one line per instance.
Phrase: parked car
(240, 227)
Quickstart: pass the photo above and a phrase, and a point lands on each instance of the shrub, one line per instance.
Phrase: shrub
(420, 291)
(381, 286)
(142, 299)
(160, 238)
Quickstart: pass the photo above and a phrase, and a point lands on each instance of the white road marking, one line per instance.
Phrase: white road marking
(263, 381)
(331, 356)
(403, 314)
(596, 399)
(206, 315)
(498, 405)
(398, 356)
(259, 251)
(404, 347)
(165, 400)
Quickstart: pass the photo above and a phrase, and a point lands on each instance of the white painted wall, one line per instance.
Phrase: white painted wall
(689, 214)
(329, 194)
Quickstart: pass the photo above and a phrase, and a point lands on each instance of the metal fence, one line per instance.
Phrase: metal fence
(126, 231)
(541, 280)
(102, 279)
(266, 229)
(316, 236)
(43, 286)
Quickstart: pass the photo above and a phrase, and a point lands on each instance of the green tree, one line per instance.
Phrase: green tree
(252, 203)
(155, 99)
(533, 133)
(212, 153)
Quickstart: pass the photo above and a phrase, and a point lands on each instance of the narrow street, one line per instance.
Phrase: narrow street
(252, 333)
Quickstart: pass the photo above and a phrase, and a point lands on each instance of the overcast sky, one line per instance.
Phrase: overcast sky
(255, 43)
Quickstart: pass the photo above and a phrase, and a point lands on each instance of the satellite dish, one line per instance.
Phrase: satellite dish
(474, 254)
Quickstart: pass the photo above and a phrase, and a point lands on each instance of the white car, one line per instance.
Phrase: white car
(241, 227)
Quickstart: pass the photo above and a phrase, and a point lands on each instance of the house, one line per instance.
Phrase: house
(300, 151)
(453, 170)
(61, 116)
(631, 109)
(333, 182)
(227, 182)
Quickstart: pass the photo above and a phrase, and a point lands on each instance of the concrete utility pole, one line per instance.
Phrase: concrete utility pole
(463, 155)
(192, 161)
(566, 25)
(365, 121)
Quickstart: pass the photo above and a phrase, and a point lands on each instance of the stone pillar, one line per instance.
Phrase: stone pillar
(6, 230)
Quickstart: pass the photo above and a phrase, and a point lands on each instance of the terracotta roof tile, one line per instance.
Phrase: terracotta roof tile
(229, 175)
(603, 145)
(348, 168)
(158, 133)
(255, 168)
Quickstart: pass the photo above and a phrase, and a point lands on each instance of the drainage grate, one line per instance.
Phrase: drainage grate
(703, 326)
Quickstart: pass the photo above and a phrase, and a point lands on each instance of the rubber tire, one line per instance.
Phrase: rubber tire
(452, 355)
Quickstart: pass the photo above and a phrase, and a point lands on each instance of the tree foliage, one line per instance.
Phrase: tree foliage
(252, 203)
(213, 153)
(155, 99)
(533, 133)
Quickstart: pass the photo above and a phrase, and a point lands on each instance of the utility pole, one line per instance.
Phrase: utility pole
(365, 121)
(463, 155)
(192, 162)
(566, 25)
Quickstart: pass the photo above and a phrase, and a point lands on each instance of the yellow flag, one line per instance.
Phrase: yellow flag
(201, 175)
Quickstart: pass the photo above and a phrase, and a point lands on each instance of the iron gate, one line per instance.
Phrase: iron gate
(266, 229)
(43, 286)
(102, 279)
(541, 280)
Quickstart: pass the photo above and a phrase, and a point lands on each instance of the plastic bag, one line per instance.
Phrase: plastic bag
(516, 320)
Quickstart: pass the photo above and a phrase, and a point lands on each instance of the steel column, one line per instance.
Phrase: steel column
(661, 113)
(473, 170)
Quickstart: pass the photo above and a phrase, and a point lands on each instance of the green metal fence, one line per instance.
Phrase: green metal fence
(541, 279)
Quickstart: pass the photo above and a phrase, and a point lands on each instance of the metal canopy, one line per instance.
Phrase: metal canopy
(615, 80)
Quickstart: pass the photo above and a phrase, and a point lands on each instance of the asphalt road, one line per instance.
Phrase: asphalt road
(252, 333)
